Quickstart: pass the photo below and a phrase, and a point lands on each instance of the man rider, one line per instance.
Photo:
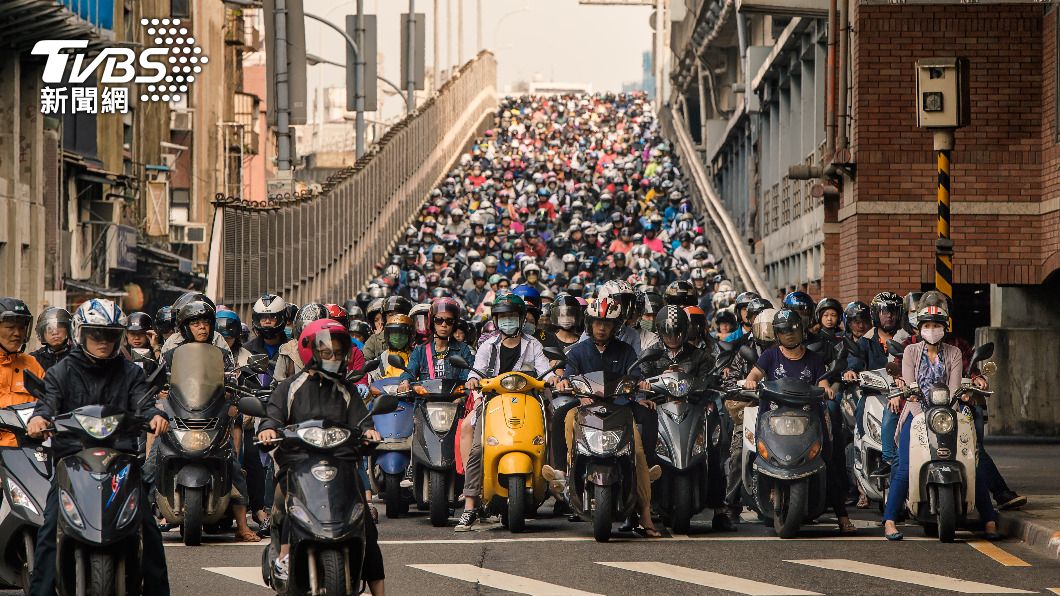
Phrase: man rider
(95, 374)
(15, 322)
(269, 317)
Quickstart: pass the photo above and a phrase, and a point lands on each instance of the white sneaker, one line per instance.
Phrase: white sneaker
(281, 567)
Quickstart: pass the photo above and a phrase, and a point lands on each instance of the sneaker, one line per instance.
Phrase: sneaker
(883, 471)
(406, 482)
(265, 527)
(1009, 500)
(467, 522)
(549, 473)
(281, 568)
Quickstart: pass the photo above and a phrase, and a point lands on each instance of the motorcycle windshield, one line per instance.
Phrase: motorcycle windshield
(197, 372)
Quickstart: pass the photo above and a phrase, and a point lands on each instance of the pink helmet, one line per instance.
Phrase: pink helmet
(318, 335)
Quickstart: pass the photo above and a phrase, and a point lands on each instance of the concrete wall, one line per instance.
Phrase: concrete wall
(1024, 402)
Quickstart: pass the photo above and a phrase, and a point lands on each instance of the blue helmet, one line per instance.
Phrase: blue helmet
(228, 324)
(801, 303)
(530, 295)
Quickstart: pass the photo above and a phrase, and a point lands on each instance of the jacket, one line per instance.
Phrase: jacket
(374, 346)
(13, 387)
(48, 358)
(80, 381)
(696, 362)
(419, 366)
(615, 360)
(257, 346)
(531, 357)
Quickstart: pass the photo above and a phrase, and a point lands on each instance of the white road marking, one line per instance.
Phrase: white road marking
(709, 579)
(500, 580)
(251, 575)
(674, 538)
(927, 580)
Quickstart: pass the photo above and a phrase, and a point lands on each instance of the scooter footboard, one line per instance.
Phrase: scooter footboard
(392, 462)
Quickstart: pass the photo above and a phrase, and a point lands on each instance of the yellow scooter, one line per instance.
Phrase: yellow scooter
(513, 445)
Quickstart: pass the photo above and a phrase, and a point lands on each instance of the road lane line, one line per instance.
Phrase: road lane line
(675, 538)
(500, 580)
(251, 575)
(708, 579)
(997, 553)
(928, 580)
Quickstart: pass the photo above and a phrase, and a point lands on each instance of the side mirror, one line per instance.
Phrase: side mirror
(259, 363)
(981, 353)
(142, 355)
(251, 406)
(646, 356)
(396, 361)
(371, 365)
(748, 353)
(458, 361)
(34, 384)
(895, 349)
(555, 354)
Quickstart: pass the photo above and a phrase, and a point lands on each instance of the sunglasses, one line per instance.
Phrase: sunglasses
(445, 321)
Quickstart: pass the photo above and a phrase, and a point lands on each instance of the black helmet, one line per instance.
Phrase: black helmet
(314, 311)
(825, 304)
(193, 311)
(165, 320)
(396, 304)
(14, 310)
(140, 321)
(53, 316)
(756, 306)
(673, 321)
(856, 310)
(887, 301)
(725, 316)
(187, 297)
(650, 302)
(742, 300)
(567, 312)
(788, 325)
(681, 293)
(801, 303)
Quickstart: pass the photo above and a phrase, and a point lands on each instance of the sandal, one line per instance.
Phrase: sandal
(247, 536)
(848, 529)
(374, 513)
(863, 502)
(648, 532)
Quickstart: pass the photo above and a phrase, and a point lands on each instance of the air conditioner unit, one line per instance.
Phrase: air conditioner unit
(180, 120)
(189, 233)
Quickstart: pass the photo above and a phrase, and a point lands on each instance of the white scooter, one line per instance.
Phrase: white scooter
(876, 385)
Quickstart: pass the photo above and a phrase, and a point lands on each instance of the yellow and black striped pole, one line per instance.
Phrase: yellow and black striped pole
(943, 243)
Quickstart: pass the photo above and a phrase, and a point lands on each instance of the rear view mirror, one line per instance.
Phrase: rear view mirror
(259, 363)
(371, 365)
(34, 384)
(251, 406)
(386, 403)
(396, 361)
(459, 362)
(895, 349)
(981, 353)
(555, 354)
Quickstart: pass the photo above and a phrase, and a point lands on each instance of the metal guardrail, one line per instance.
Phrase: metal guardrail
(724, 230)
(325, 246)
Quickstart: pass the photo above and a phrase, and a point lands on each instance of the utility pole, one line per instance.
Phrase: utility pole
(449, 36)
(478, 26)
(358, 75)
(410, 49)
(283, 107)
(434, 49)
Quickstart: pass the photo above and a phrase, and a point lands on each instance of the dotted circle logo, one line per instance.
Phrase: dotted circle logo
(184, 62)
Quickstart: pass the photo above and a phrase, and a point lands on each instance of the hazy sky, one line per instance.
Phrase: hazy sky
(559, 39)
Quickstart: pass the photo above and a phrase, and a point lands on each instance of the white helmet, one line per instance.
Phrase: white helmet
(101, 319)
(272, 307)
(762, 328)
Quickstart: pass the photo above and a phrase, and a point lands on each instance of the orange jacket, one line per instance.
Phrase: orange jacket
(12, 389)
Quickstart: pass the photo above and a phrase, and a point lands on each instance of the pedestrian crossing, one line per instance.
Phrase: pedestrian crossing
(688, 576)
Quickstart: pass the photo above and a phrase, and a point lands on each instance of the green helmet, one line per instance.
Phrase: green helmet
(508, 303)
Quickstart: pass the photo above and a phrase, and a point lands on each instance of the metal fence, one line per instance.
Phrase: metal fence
(325, 246)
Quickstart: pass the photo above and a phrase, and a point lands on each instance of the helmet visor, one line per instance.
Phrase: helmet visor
(101, 342)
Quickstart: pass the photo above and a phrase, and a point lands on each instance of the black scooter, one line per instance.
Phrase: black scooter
(25, 473)
(325, 505)
(436, 483)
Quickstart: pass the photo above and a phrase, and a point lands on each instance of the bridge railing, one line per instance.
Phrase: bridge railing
(323, 246)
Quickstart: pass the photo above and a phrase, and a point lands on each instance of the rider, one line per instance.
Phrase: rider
(95, 374)
(288, 362)
(15, 323)
(269, 317)
(319, 392)
(566, 317)
(887, 312)
(230, 328)
(53, 332)
(791, 359)
(398, 333)
(391, 305)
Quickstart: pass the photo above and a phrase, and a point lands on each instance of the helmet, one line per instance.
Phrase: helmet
(856, 310)
(825, 304)
(673, 321)
(755, 307)
(789, 323)
(681, 293)
(602, 309)
(651, 302)
(228, 324)
(51, 318)
(397, 332)
(165, 320)
(621, 292)
(316, 347)
(140, 321)
(396, 304)
(696, 317)
(187, 297)
(742, 300)
(531, 296)
(419, 316)
(801, 303)
(910, 303)
(566, 312)
(725, 316)
(444, 305)
(932, 314)
(99, 319)
(314, 311)
(762, 328)
(339, 314)
(361, 328)
(508, 303)
(375, 307)
(887, 301)
(14, 310)
(272, 307)
(195, 311)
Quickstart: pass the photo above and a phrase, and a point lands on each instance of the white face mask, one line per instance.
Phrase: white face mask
(508, 325)
(933, 336)
(565, 321)
(331, 366)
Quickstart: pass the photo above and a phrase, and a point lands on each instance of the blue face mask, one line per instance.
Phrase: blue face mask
(508, 325)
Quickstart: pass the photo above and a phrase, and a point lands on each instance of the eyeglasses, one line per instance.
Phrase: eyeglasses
(445, 321)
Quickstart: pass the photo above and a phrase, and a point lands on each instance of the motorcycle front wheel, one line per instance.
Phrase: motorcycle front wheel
(602, 511)
(789, 507)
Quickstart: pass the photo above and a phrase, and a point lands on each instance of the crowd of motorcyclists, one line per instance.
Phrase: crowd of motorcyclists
(565, 243)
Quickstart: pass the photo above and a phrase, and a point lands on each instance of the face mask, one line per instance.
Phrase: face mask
(529, 328)
(331, 366)
(647, 325)
(933, 336)
(565, 321)
(508, 325)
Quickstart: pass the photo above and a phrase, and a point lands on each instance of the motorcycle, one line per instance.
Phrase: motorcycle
(943, 453)
(25, 473)
(875, 387)
(391, 458)
(689, 434)
(514, 442)
(192, 478)
(325, 505)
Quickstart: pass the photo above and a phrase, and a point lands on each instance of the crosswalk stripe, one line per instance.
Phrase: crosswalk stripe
(501, 581)
(997, 553)
(928, 580)
(251, 575)
(708, 579)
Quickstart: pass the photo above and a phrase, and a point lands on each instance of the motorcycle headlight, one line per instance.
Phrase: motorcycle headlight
(441, 416)
(788, 426)
(602, 441)
(128, 512)
(940, 396)
(20, 497)
(513, 382)
(581, 386)
(70, 509)
(678, 388)
(324, 438)
(324, 473)
(193, 440)
(99, 428)
(872, 427)
(941, 421)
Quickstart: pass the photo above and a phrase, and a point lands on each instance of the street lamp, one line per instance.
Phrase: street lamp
(313, 60)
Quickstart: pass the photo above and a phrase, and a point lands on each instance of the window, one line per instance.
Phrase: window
(180, 8)
(179, 205)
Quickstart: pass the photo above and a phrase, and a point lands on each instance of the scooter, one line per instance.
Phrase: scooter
(325, 505)
(391, 458)
(875, 387)
(943, 454)
(25, 474)
(689, 434)
(193, 481)
(513, 442)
